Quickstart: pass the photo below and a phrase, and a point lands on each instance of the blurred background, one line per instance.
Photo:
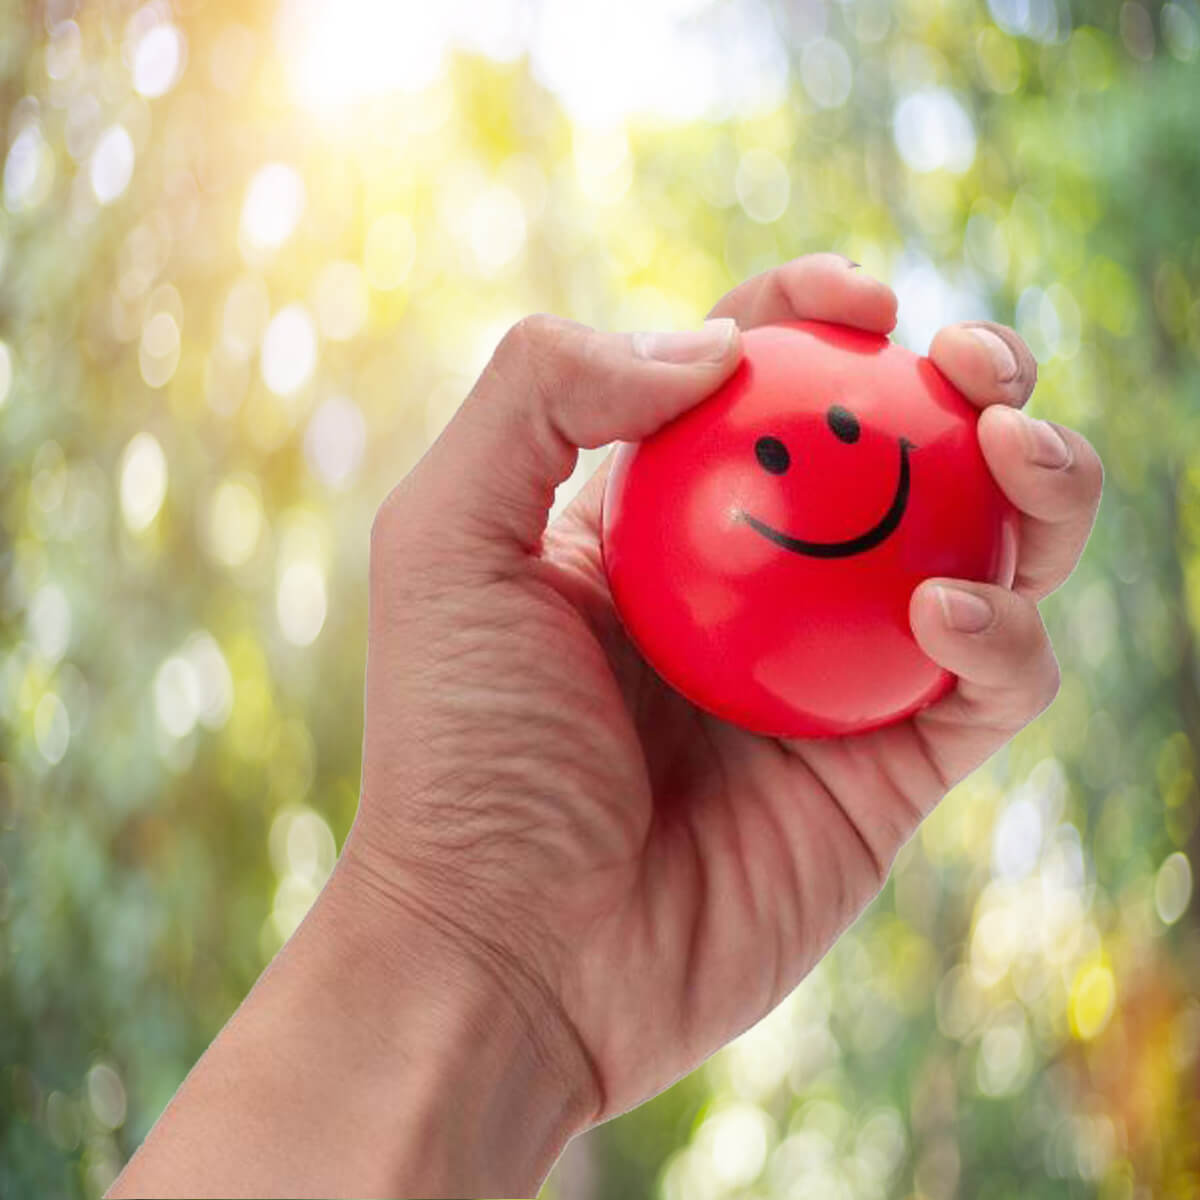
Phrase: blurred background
(252, 256)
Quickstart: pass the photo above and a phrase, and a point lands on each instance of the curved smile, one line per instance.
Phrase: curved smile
(855, 545)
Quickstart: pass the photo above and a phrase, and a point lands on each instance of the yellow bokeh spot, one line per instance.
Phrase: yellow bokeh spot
(999, 60)
(1093, 995)
(234, 521)
(252, 720)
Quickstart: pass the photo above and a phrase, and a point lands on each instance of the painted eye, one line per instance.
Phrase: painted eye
(843, 423)
(772, 455)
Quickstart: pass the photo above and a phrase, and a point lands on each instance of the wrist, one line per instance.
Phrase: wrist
(493, 1079)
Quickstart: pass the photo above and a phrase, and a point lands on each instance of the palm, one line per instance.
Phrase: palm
(756, 852)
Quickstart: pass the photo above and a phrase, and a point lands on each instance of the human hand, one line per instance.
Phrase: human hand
(638, 880)
(566, 886)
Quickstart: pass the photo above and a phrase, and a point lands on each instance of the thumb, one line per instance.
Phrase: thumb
(551, 388)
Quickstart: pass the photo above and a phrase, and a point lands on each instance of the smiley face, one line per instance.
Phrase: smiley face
(773, 456)
(761, 550)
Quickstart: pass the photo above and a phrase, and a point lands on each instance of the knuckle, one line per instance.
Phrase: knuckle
(829, 258)
(1031, 669)
(937, 344)
(385, 521)
(407, 553)
(1079, 488)
(532, 361)
(536, 338)
(1024, 641)
(1039, 664)
(1050, 681)
(1091, 468)
(530, 331)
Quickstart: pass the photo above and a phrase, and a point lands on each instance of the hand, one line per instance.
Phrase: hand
(639, 880)
(566, 886)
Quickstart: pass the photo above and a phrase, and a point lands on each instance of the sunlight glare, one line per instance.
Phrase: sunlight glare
(341, 53)
(605, 59)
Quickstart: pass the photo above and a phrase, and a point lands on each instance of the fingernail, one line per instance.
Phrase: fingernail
(1004, 361)
(964, 612)
(709, 343)
(1044, 445)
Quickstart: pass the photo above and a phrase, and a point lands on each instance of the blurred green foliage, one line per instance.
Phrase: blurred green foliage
(213, 368)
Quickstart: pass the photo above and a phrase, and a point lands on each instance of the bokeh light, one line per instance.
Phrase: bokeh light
(1092, 999)
(933, 130)
(50, 621)
(112, 164)
(244, 316)
(106, 1095)
(143, 481)
(335, 441)
(51, 728)
(302, 851)
(28, 170)
(340, 300)
(289, 350)
(158, 354)
(233, 521)
(273, 206)
(6, 372)
(763, 186)
(1173, 887)
(300, 602)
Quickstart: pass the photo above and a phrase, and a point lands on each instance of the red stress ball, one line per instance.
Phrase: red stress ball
(762, 548)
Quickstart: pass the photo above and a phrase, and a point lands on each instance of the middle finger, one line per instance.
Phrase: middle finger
(818, 287)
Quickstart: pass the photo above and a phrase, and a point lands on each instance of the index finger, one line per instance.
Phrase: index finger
(818, 287)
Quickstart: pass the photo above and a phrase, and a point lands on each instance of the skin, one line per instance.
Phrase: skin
(565, 886)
